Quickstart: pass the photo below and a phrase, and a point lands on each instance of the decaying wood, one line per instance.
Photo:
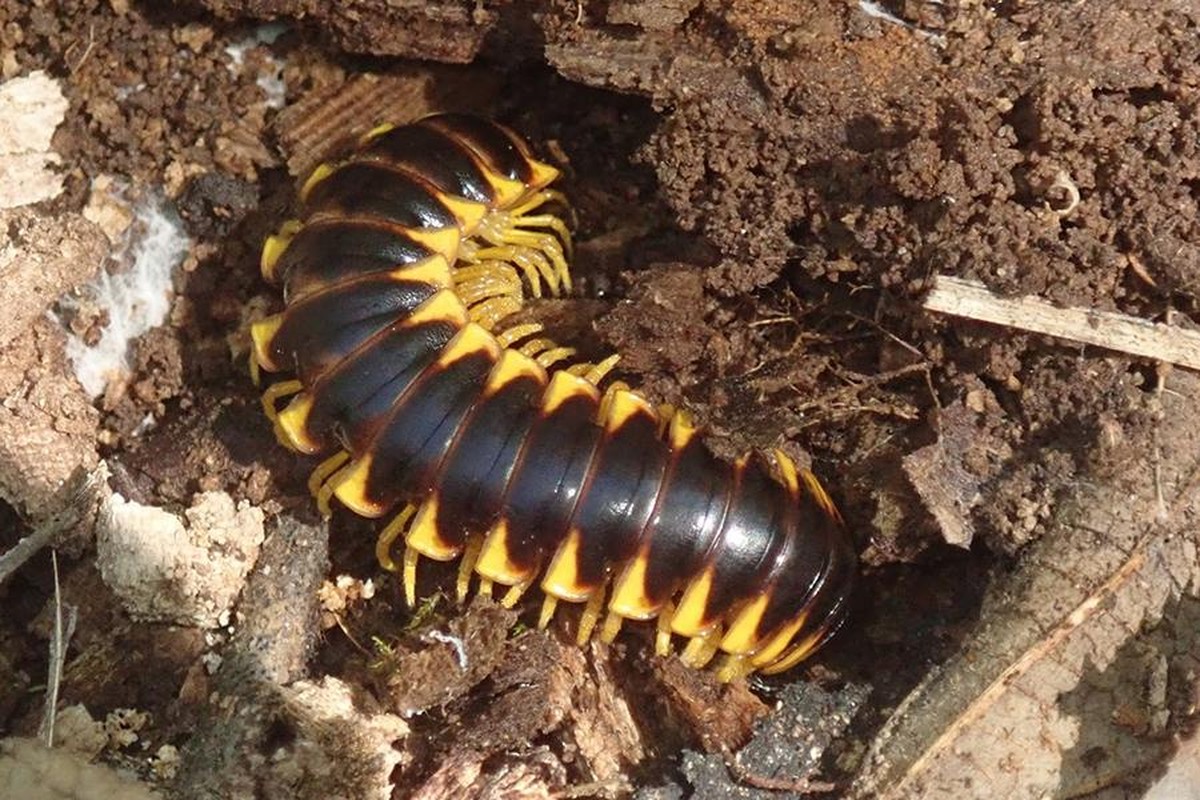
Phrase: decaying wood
(1119, 332)
(47, 423)
(1030, 708)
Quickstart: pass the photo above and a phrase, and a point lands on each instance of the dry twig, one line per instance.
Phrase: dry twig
(1119, 332)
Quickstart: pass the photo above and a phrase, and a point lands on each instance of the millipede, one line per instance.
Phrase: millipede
(490, 444)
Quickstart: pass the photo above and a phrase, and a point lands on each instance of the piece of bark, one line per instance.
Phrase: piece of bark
(328, 120)
(441, 30)
(1007, 716)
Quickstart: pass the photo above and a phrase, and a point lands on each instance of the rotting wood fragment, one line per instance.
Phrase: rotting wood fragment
(1009, 714)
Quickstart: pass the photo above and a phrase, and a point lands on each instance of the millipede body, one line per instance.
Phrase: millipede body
(487, 444)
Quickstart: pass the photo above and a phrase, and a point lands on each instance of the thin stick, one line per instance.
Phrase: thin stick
(1119, 332)
(77, 497)
(58, 657)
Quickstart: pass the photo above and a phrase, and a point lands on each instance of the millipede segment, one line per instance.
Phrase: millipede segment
(493, 445)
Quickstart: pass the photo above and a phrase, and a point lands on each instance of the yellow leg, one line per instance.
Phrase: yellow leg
(489, 313)
(276, 392)
(475, 270)
(549, 604)
(466, 567)
(531, 269)
(527, 255)
(549, 247)
(388, 536)
(485, 588)
(518, 332)
(411, 557)
(514, 593)
(549, 358)
(547, 221)
(734, 667)
(480, 289)
(325, 493)
(666, 413)
(701, 649)
(591, 615)
(662, 636)
(535, 346)
(601, 370)
(326, 468)
(612, 626)
(255, 370)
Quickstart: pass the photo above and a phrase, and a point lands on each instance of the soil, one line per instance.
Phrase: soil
(763, 191)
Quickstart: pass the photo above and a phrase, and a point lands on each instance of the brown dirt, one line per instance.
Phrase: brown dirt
(763, 190)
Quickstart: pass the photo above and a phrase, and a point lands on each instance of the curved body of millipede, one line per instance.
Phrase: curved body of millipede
(484, 447)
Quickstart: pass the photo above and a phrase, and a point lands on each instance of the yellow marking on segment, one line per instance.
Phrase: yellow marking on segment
(388, 536)
(562, 577)
(466, 567)
(629, 591)
(471, 340)
(611, 627)
(512, 366)
(742, 636)
(779, 641)
(293, 423)
(549, 604)
(376, 132)
(590, 616)
(681, 431)
(433, 271)
(494, 563)
(787, 470)
(423, 535)
(351, 489)
(543, 174)
(700, 650)
(688, 619)
(275, 245)
(411, 559)
(326, 468)
(506, 191)
(562, 387)
(322, 171)
(441, 307)
(621, 407)
(818, 492)
(794, 656)
(262, 333)
(443, 241)
(469, 213)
